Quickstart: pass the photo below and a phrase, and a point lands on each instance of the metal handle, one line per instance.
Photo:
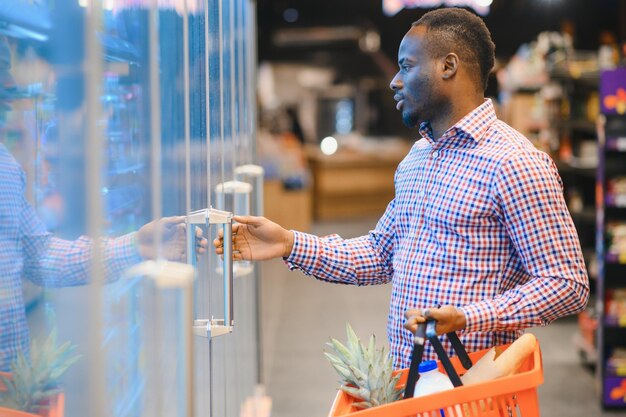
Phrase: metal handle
(235, 196)
(255, 176)
(227, 274)
(215, 327)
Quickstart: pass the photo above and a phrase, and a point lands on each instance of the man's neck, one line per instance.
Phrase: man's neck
(456, 112)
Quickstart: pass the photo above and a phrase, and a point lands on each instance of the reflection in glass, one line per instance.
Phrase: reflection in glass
(44, 190)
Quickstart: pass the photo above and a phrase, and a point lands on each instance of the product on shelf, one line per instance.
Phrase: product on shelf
(616, 144)
(615, 309)
(616, 191)
(616, 238)
(616, 364)
(615, 378)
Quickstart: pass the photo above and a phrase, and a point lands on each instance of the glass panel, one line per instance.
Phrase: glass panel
(50, 126)
(164, 113)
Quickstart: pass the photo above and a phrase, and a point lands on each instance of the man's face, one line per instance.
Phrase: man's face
(413, 85)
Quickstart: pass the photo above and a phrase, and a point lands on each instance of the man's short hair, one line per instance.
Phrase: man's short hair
(462, 32)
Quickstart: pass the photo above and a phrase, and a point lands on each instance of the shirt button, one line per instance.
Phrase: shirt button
(435, 154)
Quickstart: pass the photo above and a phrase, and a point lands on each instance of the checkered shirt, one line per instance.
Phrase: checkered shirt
(478, 222)
(28, 250)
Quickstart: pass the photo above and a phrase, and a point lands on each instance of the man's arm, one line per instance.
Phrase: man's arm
(364, 260)
(529, 197)
(360, 261)
(54, 262)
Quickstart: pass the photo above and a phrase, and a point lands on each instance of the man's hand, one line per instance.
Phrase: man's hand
(173, 237)
(449, 319)
(256, 239)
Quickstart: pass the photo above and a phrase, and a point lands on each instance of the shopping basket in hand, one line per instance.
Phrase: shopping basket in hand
(509, 396)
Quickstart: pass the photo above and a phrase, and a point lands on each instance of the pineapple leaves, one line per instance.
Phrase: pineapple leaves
(34, 381)
(366, 373)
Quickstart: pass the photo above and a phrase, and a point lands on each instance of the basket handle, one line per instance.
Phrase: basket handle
(431, 334)
(427, 331)
(418, 351)
(460, 350)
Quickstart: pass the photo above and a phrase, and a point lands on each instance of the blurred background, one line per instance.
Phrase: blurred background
(121, 112)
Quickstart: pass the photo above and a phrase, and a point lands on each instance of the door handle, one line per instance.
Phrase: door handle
(214, 327)
(253, 175)
(235, 196)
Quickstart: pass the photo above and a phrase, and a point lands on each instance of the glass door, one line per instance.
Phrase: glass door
(117, 120)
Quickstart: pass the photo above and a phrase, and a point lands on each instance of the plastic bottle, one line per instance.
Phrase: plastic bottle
(431, 381)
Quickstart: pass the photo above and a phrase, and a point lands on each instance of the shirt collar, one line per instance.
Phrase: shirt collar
(474, 124)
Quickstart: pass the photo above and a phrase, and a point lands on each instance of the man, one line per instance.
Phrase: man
(28, 250)
(478, 224)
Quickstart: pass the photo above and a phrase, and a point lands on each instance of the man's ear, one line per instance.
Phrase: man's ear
(450, 65)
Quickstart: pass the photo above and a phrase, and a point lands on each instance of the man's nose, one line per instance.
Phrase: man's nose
(395, 83)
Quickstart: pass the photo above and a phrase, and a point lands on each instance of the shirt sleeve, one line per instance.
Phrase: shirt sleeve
(529, 199)
(54, 262)
(364, 260)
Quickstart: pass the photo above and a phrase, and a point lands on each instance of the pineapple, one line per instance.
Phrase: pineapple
(366, 373)
(33, 382)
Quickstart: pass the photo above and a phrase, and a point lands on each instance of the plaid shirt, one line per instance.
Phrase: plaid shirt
(27, 250)
(479, 222)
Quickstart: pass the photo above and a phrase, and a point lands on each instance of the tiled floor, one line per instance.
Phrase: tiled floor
(300, 314)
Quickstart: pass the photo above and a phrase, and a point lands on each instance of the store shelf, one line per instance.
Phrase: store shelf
(612, 279)
(587, 79)
(615, 202)
(618, 324)
(617, 269)
(577, 169)
(615, 259)
(580, 125)
(617, 144)
(587, 215)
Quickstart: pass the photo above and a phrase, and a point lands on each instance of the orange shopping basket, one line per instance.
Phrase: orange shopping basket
(510, 396)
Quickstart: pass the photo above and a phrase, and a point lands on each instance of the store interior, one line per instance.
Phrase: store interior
(117, 115)
(325, 60)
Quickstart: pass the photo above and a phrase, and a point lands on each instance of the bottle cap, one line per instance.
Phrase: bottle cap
(427, 366)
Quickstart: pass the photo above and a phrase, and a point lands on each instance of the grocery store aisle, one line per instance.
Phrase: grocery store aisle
(300, 313)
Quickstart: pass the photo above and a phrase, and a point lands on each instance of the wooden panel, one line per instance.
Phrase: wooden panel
(290, 208)
(352, 184)
(350, 207)
(355, 180)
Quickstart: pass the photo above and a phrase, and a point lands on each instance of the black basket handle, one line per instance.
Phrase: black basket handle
(427, 331)
(418, 351)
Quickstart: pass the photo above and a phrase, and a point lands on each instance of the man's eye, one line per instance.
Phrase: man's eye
(406, 67)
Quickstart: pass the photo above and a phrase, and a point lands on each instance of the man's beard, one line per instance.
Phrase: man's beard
(410, 119)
